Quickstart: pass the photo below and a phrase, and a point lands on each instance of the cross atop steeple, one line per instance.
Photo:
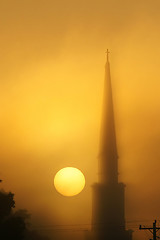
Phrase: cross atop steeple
(107, 53)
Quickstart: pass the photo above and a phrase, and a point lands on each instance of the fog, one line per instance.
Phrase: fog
(51, 89)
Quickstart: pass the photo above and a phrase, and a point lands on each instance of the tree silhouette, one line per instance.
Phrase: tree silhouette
(14, 225)
(7, 203)
(13, 228)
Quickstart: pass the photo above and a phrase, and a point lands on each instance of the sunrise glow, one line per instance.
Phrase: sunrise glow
(69, 181)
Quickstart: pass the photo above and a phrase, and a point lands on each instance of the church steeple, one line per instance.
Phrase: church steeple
(108, 215)
(108, 158)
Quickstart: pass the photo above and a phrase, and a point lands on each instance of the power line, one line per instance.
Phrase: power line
(131, 224)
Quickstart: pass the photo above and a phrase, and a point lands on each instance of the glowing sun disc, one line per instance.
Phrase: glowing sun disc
(69, 181)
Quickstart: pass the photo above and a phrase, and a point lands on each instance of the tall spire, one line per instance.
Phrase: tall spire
(108, 158)
(108, 215)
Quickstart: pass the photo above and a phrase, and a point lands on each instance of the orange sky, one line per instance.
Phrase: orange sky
(52, 70)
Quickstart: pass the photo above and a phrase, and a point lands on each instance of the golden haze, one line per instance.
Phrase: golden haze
(52, 70)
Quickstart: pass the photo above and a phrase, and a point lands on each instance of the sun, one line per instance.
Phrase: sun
(69, 181)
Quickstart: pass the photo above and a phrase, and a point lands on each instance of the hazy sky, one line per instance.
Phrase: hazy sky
(51, 83)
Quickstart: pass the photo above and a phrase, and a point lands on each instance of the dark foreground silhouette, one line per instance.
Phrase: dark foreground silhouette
(13, 224)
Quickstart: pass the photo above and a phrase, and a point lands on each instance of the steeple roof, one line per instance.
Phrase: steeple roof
(108, 157)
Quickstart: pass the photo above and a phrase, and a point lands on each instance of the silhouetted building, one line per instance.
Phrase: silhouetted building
(108, 217)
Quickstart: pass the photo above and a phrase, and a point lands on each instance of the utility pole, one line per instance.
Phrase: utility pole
(153, 229)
